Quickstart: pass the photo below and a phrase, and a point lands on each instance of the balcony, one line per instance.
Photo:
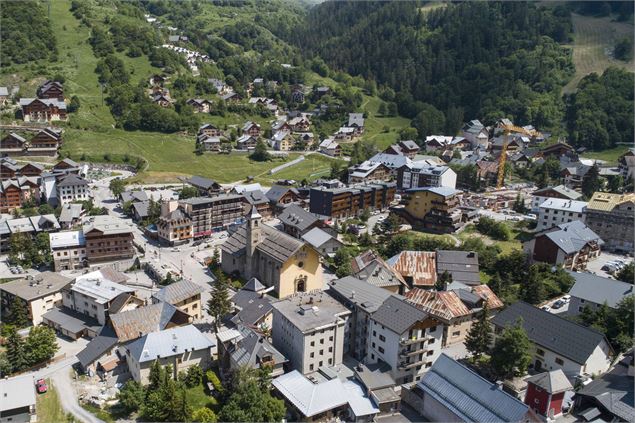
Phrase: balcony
(412, 341)
(404, 365)
(406, 353)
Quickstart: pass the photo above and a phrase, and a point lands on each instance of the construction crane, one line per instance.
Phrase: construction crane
(503, 157)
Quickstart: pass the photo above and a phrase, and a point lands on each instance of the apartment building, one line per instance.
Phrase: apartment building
(39, 293)
(555, 211)
(184, 295)
(108, 239)
(174, 226)
(310, 329)
(212, 214)
(541, 195)
(72, 188)
(611, 216)
(68, 249)
(362, 299)
(94, 293)
(423, 174)
(434, 209)
(342, 203)
(405, 338)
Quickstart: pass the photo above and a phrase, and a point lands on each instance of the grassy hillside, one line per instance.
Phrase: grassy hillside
(594, 40)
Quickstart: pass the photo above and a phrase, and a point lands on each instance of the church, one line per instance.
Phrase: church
(278, 260)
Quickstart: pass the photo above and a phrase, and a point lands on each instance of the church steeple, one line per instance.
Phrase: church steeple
(254, 237)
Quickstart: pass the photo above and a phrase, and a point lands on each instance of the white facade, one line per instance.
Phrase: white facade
(556, 211)
(409, 354)
(72, 193)
(428, 176)
(597, 363)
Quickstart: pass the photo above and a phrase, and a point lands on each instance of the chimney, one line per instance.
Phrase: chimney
(499, 384)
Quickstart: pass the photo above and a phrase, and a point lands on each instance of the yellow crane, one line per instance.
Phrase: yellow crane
(501, 162)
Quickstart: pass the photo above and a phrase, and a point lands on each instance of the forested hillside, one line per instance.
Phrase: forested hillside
(26, 33)
(468, 60)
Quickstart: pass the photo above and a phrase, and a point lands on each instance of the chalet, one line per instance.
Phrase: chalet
(209, 143)
(344, 134)
(370, 268)
(571, 245)
(307, 138)
(322, 241)
(330, 147)
(246, 142)
(280, 196)
(256, 198)
(51, 90)
(457, 309)
(574, 174)
(296, 221)
(66, 165)
(158, 80)
(42, 110)
(210, 130)
(204, 186)
(13, 145)
(297, 96)
(627, 164)
(520, 160)
(299, 124)
(513, 143)
(281, 125)
(442, 142)
(251, 128)
(356, 121)
(558, 343)
(242, 346)
(476, 133)
(231, 96)
(15, 192)
(8, 168)
(557, 150)
(200, 105)
(368, 171)
(252, 306)
(406, 148)
(162, 99)
(45, 143)
(219, 85)
(320, 91)
(282, 141)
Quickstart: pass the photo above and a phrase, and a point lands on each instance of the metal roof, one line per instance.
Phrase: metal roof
(72, 180)
(275, 244)
(17, 392)
(605, 201)
(168, 343)
(572, 236)
(70, 212)
(562, 190)
(418, 265)
(67, 239)
(132, 324)
(70, 320)
(97, 347)
(468, 395)
(252, 306)
(178, 291)
(99, 287)
(462, 265)
(360, 293)
(297, 217)
(250, 348)
(314, 398)
(108, 225)
(318, 237)
(398, 315)
(445, 305)
(564, 205)
(599, 290)
(552, 332)
(553, 382)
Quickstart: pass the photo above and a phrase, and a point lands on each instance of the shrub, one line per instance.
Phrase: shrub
(211, 377)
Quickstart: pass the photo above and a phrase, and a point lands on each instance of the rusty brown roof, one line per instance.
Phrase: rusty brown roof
(488, 295)
(418, 265)
(132, 324)
(364, 259)
(445, 305)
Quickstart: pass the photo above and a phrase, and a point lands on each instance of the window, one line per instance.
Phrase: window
(313, 343)
(321, 352)
(559, 361)
(312, 355)
(372, 356)
(321, 363)
(373, 344)
(431, 341)
(432, 329)
(539, 351)
(430, 353)
(456, 333)
(311, 366)
(382, 338)
(381, 350)
(374, 333)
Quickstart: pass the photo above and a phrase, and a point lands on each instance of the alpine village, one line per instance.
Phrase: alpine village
(316, 211)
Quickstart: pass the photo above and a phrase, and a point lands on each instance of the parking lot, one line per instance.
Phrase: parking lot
(595, 266)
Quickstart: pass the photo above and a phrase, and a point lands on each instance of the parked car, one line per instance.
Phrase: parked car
(545, 308)
(41, 386)
(558, 304)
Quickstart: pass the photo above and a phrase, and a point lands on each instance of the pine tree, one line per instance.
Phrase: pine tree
(479, 336)
(510, 356)
(16, 351)
(219, 304)
(443, 281)
(18, 314)
(40, 345)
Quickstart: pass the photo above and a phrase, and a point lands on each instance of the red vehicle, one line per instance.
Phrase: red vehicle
(41, 386)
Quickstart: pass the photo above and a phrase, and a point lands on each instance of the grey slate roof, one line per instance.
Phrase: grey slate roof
(200, 182)
(178, 291)
(555, 333)
(252, 306)
(462, 265)
(360, 293)
(297, 217)
(599, 290)
(70, 320)
(300, 312)
(255, 197)
(142, 208)
(571, 237)
(70, 212)
(398, 315)
(168, 343)
(553, 382)
(251, 348)
(97, 346)
(275, 244)
(254, 285)
(72, 180)
(562, 190)
(276, 192)
(136, 195)
(317, 237)
(30, 289)
(468, 395)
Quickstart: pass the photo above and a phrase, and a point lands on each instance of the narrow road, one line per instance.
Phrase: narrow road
(68, 397)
